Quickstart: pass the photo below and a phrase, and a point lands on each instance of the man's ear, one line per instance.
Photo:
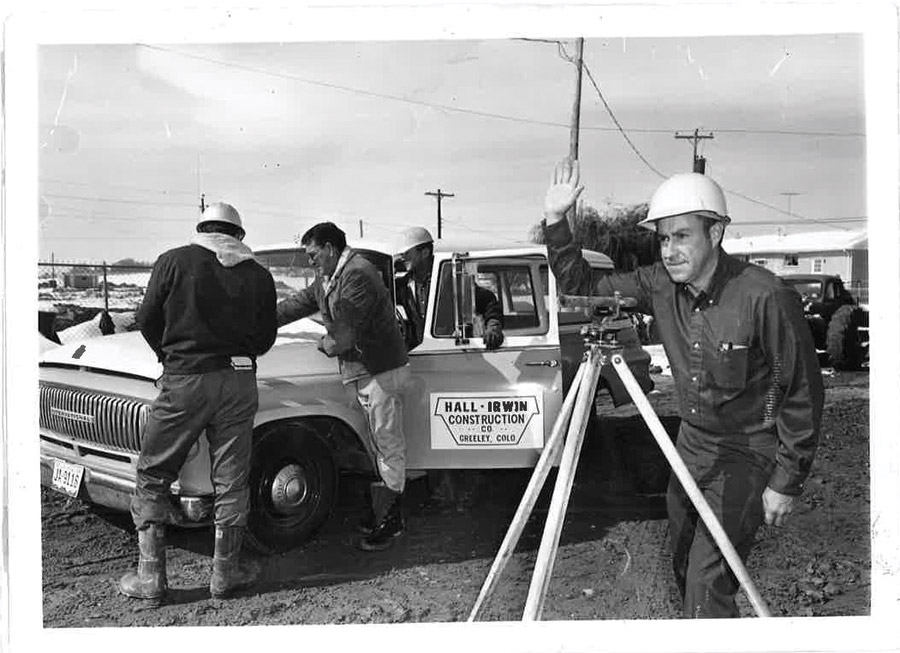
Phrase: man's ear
(716, 233)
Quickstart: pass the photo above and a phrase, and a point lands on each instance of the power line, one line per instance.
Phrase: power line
(647, 163)
(780, 210)
(616, 121)
(473, 112)
(51, 180)
(775, 223)
(112, 200)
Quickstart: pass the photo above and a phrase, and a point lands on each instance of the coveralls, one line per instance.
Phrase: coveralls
(750, 397)
(209, 311)
(363, 332)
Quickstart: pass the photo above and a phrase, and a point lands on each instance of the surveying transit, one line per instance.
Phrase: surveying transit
(612, 325)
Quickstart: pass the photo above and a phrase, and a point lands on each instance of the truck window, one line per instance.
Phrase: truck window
(290, 269)
(512, 286)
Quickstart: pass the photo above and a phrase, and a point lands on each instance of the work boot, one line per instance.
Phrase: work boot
(230, 573)
(386, 505)
(149, 582)
(368, 522)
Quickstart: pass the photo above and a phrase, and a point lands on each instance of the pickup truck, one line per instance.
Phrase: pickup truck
(839, 325)
(465, 408)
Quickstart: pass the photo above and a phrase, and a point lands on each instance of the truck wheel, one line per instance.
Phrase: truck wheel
(293, 486)
(842, 343)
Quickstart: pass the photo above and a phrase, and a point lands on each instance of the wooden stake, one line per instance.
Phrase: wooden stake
(546, 556)
(529, 498)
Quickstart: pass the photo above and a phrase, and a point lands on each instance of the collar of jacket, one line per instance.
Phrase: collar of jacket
(726, 268)
(342, 261)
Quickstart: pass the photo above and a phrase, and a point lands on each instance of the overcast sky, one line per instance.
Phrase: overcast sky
(295, 133)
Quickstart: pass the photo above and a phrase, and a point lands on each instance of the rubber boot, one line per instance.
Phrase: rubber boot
(230, 573)
(386, 504)
(149, 582)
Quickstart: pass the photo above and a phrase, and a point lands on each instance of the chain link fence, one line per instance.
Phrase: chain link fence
(77, 301)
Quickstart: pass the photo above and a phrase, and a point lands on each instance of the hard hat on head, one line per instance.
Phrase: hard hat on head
(221, 212)
(413, 237)
(688, 192)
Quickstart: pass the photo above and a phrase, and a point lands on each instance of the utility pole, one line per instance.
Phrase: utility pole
(576, 115)
(698, 161)
(789, 194)
(360, 228)
(440, 195)
(202, 202)
(576, 105)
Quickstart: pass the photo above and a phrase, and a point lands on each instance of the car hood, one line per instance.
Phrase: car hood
(294, 353)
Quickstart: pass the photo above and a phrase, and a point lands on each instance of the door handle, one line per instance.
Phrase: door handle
(549, 363)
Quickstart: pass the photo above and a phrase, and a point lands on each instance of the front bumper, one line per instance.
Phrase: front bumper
(109, 482)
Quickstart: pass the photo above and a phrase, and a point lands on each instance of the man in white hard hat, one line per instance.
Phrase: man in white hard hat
(208, 312)
(747, 378)
(416, 249)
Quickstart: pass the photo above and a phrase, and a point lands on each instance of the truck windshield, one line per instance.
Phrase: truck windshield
(809, 289)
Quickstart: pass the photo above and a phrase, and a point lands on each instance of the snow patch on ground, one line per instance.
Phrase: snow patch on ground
(658, 358)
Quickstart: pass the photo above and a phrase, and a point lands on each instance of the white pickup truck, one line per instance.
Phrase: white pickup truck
(466, 407)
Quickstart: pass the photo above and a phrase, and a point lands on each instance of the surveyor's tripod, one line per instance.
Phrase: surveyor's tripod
(604, 353)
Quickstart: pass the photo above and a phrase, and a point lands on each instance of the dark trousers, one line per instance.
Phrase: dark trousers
(732, 478)
(223, 403)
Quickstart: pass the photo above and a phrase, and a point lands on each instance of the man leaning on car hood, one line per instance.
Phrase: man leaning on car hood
(363, 333)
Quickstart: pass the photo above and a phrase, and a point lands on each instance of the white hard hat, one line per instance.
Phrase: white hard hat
(688, 192)
(413, 237)
(221, 212)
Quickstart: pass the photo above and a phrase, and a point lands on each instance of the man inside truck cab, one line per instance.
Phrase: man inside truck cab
(416, 250)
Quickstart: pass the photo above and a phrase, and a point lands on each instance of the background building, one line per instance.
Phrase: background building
(844, 253)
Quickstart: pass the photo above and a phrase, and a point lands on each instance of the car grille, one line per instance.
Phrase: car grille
(108, 420)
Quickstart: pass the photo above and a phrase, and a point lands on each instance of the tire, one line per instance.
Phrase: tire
(293, 486)
(842, 341)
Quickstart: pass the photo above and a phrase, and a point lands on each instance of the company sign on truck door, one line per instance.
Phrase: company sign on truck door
(486, 420)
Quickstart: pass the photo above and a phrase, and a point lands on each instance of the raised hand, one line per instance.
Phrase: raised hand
(563, 192)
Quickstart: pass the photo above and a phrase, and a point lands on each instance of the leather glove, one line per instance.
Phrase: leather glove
(493, 335)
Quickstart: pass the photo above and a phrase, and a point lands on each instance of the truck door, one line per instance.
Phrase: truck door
(468, 407)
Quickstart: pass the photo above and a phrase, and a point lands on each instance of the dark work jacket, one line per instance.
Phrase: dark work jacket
(742, 357)
(359, 317)
(197, 313)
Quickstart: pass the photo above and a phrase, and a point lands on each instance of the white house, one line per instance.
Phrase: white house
(845, 253)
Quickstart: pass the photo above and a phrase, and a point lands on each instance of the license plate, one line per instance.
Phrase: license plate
(67, 477)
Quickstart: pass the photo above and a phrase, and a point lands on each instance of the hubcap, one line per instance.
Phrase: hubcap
(289, 489)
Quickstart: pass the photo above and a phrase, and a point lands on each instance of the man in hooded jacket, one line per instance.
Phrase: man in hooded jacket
(208, 312)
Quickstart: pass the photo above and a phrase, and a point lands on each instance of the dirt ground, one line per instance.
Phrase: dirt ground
(613, 561)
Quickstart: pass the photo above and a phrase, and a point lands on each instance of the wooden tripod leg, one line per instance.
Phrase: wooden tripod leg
(689, 485)
(546, 556)
(530, 496)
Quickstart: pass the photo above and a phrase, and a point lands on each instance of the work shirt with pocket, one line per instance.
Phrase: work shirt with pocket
(741, 353)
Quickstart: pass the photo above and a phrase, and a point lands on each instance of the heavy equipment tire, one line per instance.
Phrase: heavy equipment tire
(845, 351)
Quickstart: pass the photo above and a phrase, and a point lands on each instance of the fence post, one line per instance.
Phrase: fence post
(105, 290)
